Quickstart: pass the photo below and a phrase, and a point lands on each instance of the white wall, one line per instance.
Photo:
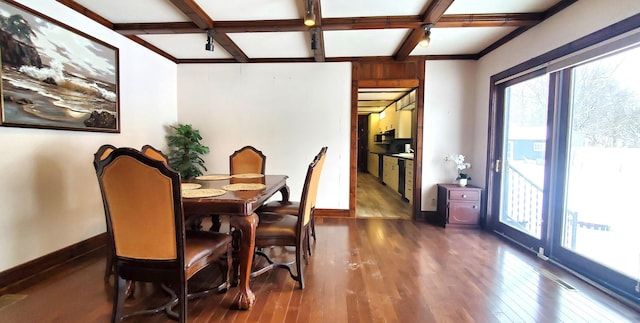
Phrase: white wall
(288, 111)
(48, 189)
(448, 124)
(578, 20)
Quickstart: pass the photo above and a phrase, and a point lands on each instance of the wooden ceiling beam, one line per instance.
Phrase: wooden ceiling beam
(328, 24)
(432, 15)
(204, 22)
(318, 53)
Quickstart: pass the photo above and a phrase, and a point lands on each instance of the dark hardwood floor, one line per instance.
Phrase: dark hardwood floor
(376, 200)
(362, 270)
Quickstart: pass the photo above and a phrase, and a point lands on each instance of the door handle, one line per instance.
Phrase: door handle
(497, 165)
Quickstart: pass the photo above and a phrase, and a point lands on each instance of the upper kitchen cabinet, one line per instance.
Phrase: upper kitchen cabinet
(388, 118)
(403, 127)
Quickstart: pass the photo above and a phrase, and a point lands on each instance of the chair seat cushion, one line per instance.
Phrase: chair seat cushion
(276, 226)
(281, 207)
(201, 246)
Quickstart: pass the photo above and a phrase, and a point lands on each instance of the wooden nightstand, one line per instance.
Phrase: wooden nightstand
(458, 206)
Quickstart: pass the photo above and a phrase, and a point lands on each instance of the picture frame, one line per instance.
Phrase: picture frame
(54, 76)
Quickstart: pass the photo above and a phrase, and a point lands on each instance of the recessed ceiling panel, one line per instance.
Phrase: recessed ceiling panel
(251, 9)
(128, 11)
(371, 96)
(367, 8)
(274, 44)
(186, 45)
(498, 6)
(377, 42)
(461, 41)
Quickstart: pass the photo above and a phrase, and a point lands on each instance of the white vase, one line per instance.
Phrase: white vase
(462, 182)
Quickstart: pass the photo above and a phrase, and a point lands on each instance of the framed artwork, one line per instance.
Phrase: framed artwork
(54, 76)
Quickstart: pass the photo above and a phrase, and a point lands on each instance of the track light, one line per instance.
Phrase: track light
(426, 38)
(209, 45)
(309, 16)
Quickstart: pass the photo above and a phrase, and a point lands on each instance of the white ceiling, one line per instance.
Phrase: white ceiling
(296, 44)
(467, 38)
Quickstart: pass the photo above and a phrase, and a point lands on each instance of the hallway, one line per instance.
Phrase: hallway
(376, 200)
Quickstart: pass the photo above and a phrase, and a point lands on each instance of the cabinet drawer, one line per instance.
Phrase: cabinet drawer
(468, 195)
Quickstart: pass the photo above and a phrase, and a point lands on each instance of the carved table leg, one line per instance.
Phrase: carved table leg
(246, 227)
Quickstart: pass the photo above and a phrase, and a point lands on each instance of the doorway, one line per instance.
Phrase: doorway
(375, 198)
(389, 74)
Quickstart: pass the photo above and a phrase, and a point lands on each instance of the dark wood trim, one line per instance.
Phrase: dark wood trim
(431, 15)
(19, 277)
(353, 140)
(327, 59)
(417, 128)
(192, 10)
(490, 20)
(332, 213)
(152, 48)
(355, 23)
(87, 13)
(552, 11)
(591, 39)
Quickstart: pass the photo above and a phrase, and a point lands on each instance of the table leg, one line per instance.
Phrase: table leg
(285, 193)
(246, 225)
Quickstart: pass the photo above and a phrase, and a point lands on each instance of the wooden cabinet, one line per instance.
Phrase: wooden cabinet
(372, 165)
(390, 172)
(408, 181)
(458, 206)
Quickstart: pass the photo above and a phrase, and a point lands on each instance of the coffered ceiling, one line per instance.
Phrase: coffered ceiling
(273, 30)
(254, 31)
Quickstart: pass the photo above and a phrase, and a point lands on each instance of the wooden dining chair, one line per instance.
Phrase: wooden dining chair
(247, 160)
(143, 208)
(292, 207)
(103, 152)
(276, 229)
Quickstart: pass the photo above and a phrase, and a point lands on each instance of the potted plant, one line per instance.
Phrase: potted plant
(458, 159)
(185, 151)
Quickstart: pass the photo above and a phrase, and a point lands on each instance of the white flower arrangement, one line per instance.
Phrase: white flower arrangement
(458, 159)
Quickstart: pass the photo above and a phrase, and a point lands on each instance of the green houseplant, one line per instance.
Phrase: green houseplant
(185, 151)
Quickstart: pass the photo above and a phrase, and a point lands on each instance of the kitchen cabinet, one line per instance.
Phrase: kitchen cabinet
(458, 206)
(390, 119)
(390, 172)
(403, 124)
(408, 180)
(372, 165)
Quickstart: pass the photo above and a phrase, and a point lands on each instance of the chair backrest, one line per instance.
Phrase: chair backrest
(154, 153)
(103, 152)
(310, 188)
(247, 160)
(143, 206)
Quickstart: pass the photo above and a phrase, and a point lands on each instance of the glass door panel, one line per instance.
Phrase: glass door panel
(525, 135)
(601, 220)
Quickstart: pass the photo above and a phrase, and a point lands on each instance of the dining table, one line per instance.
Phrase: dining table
(237, 197)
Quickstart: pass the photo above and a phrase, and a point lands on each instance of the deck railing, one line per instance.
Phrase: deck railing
(524, 203)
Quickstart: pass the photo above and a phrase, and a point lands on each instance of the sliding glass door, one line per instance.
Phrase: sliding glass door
(566, 166)
(599, 223)
(522, 159)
